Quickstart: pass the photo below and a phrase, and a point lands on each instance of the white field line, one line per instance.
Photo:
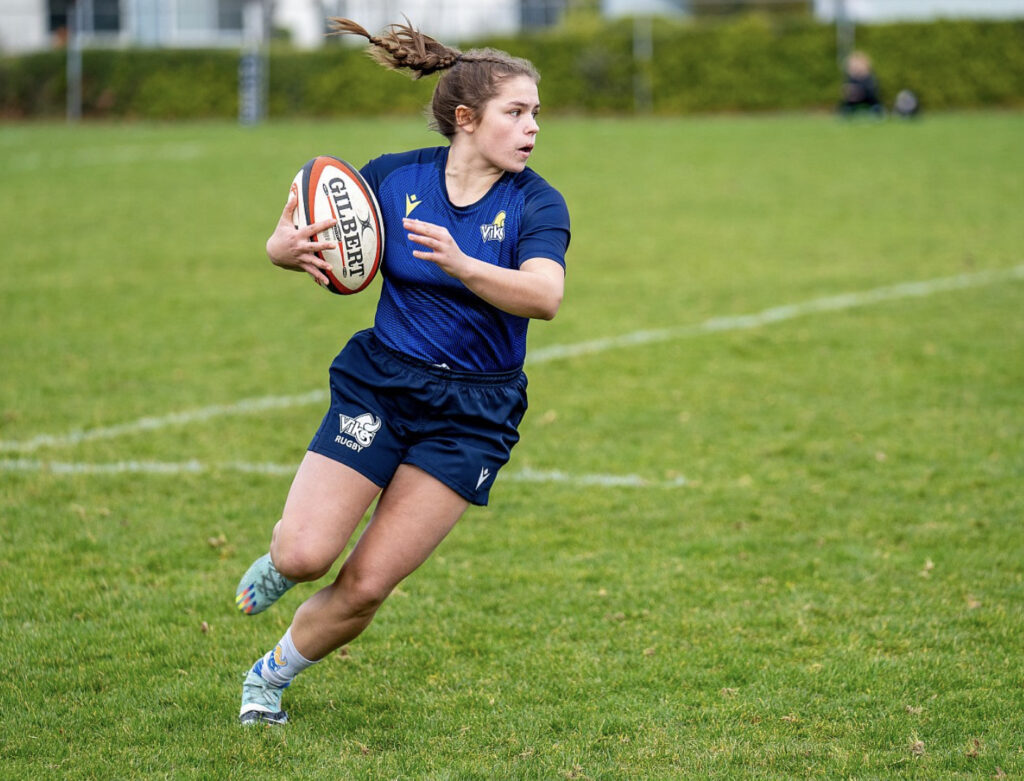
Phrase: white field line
(779, 313)
(556, 476)
(126, 154)
(545, 354)
(241, 407)
(194, 467)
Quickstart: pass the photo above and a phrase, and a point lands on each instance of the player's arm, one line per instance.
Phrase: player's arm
(535, 289)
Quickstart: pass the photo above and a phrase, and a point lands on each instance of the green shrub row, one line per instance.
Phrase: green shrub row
(755, 63)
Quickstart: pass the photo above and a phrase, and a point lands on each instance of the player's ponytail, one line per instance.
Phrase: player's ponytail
(470, 78)
(402, 46)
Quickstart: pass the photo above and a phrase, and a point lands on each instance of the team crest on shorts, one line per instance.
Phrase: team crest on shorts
(358, 432)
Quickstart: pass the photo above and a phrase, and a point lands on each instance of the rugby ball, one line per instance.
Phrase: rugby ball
(329, 188)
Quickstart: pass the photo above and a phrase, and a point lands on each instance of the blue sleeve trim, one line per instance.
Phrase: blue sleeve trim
(545, 230)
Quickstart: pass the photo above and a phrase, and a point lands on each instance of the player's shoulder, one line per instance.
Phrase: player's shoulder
(535, 188)
(541, 201)
(379, 168)
(530, 180)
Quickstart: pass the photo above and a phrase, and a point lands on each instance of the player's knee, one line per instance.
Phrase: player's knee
(298, 561)
(363, 592)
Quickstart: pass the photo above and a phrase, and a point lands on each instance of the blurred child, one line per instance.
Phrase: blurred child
(860, 91)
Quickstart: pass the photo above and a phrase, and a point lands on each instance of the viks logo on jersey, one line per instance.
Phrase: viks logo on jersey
(358, 432)
(496, 230)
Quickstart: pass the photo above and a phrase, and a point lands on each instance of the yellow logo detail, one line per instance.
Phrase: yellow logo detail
(411, 202)
(496, 230)
(279, 659)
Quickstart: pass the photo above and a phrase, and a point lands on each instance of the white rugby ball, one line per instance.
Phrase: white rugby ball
(329, 188)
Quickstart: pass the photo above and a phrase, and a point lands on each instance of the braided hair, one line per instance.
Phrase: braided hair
(469, 78)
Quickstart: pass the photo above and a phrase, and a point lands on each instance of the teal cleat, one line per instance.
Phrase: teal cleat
(261, 586)
(261, 701)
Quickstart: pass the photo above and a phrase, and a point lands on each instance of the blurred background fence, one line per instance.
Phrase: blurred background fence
(253, 58)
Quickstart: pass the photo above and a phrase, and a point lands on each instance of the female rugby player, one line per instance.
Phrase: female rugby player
(425, 405)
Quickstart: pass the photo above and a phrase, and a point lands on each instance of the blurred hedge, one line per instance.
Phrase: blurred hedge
(753, 63)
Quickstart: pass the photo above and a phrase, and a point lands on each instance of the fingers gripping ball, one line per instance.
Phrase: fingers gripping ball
(329, 188)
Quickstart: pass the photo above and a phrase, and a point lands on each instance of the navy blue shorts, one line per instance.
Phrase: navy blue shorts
(389, 409)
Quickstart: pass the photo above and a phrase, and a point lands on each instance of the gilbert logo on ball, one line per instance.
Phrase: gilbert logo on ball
(329, 188)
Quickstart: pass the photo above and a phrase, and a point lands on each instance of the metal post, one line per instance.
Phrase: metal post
(643, 53)
(252, 67)
(845, 33)
(75, 23)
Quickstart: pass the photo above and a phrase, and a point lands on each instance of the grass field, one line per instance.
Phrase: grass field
(765, 520)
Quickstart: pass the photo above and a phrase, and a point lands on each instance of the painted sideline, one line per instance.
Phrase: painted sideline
(545, 354)
(123, 154)
(242, 407)
(779, 313)
(194, 467)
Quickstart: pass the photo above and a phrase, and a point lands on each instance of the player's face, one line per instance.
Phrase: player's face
(507, 129)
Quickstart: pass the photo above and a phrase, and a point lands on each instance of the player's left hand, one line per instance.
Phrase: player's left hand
(439, 246)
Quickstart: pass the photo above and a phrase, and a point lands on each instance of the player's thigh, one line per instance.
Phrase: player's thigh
(415, 513)
(326, 501)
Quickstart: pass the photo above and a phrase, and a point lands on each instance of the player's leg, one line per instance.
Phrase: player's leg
(415, 513)
(413, 516)
(325, 503)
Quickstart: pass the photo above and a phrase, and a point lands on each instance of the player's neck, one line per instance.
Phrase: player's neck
(468, 177)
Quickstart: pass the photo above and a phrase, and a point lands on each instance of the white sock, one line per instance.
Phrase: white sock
(284, 662)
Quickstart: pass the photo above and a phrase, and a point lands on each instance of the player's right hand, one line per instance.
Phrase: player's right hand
(293, 248)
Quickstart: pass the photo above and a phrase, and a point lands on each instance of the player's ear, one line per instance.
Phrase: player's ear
(465, 118)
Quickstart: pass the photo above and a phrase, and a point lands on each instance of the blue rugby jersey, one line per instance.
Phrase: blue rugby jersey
(431, 316)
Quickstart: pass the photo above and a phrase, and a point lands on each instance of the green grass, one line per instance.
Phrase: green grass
(835, 591)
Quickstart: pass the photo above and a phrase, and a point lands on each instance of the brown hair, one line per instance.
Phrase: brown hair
(470, 78)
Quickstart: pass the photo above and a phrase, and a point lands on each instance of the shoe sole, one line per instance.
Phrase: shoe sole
(262, 717)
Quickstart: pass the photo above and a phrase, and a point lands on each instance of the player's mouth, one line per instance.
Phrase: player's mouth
(524, 151)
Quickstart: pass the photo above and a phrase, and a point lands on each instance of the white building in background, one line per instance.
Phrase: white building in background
(27, 25)
(616, 8)
(23, 26)
(30, 25)
(447, 20)
(867, 11)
